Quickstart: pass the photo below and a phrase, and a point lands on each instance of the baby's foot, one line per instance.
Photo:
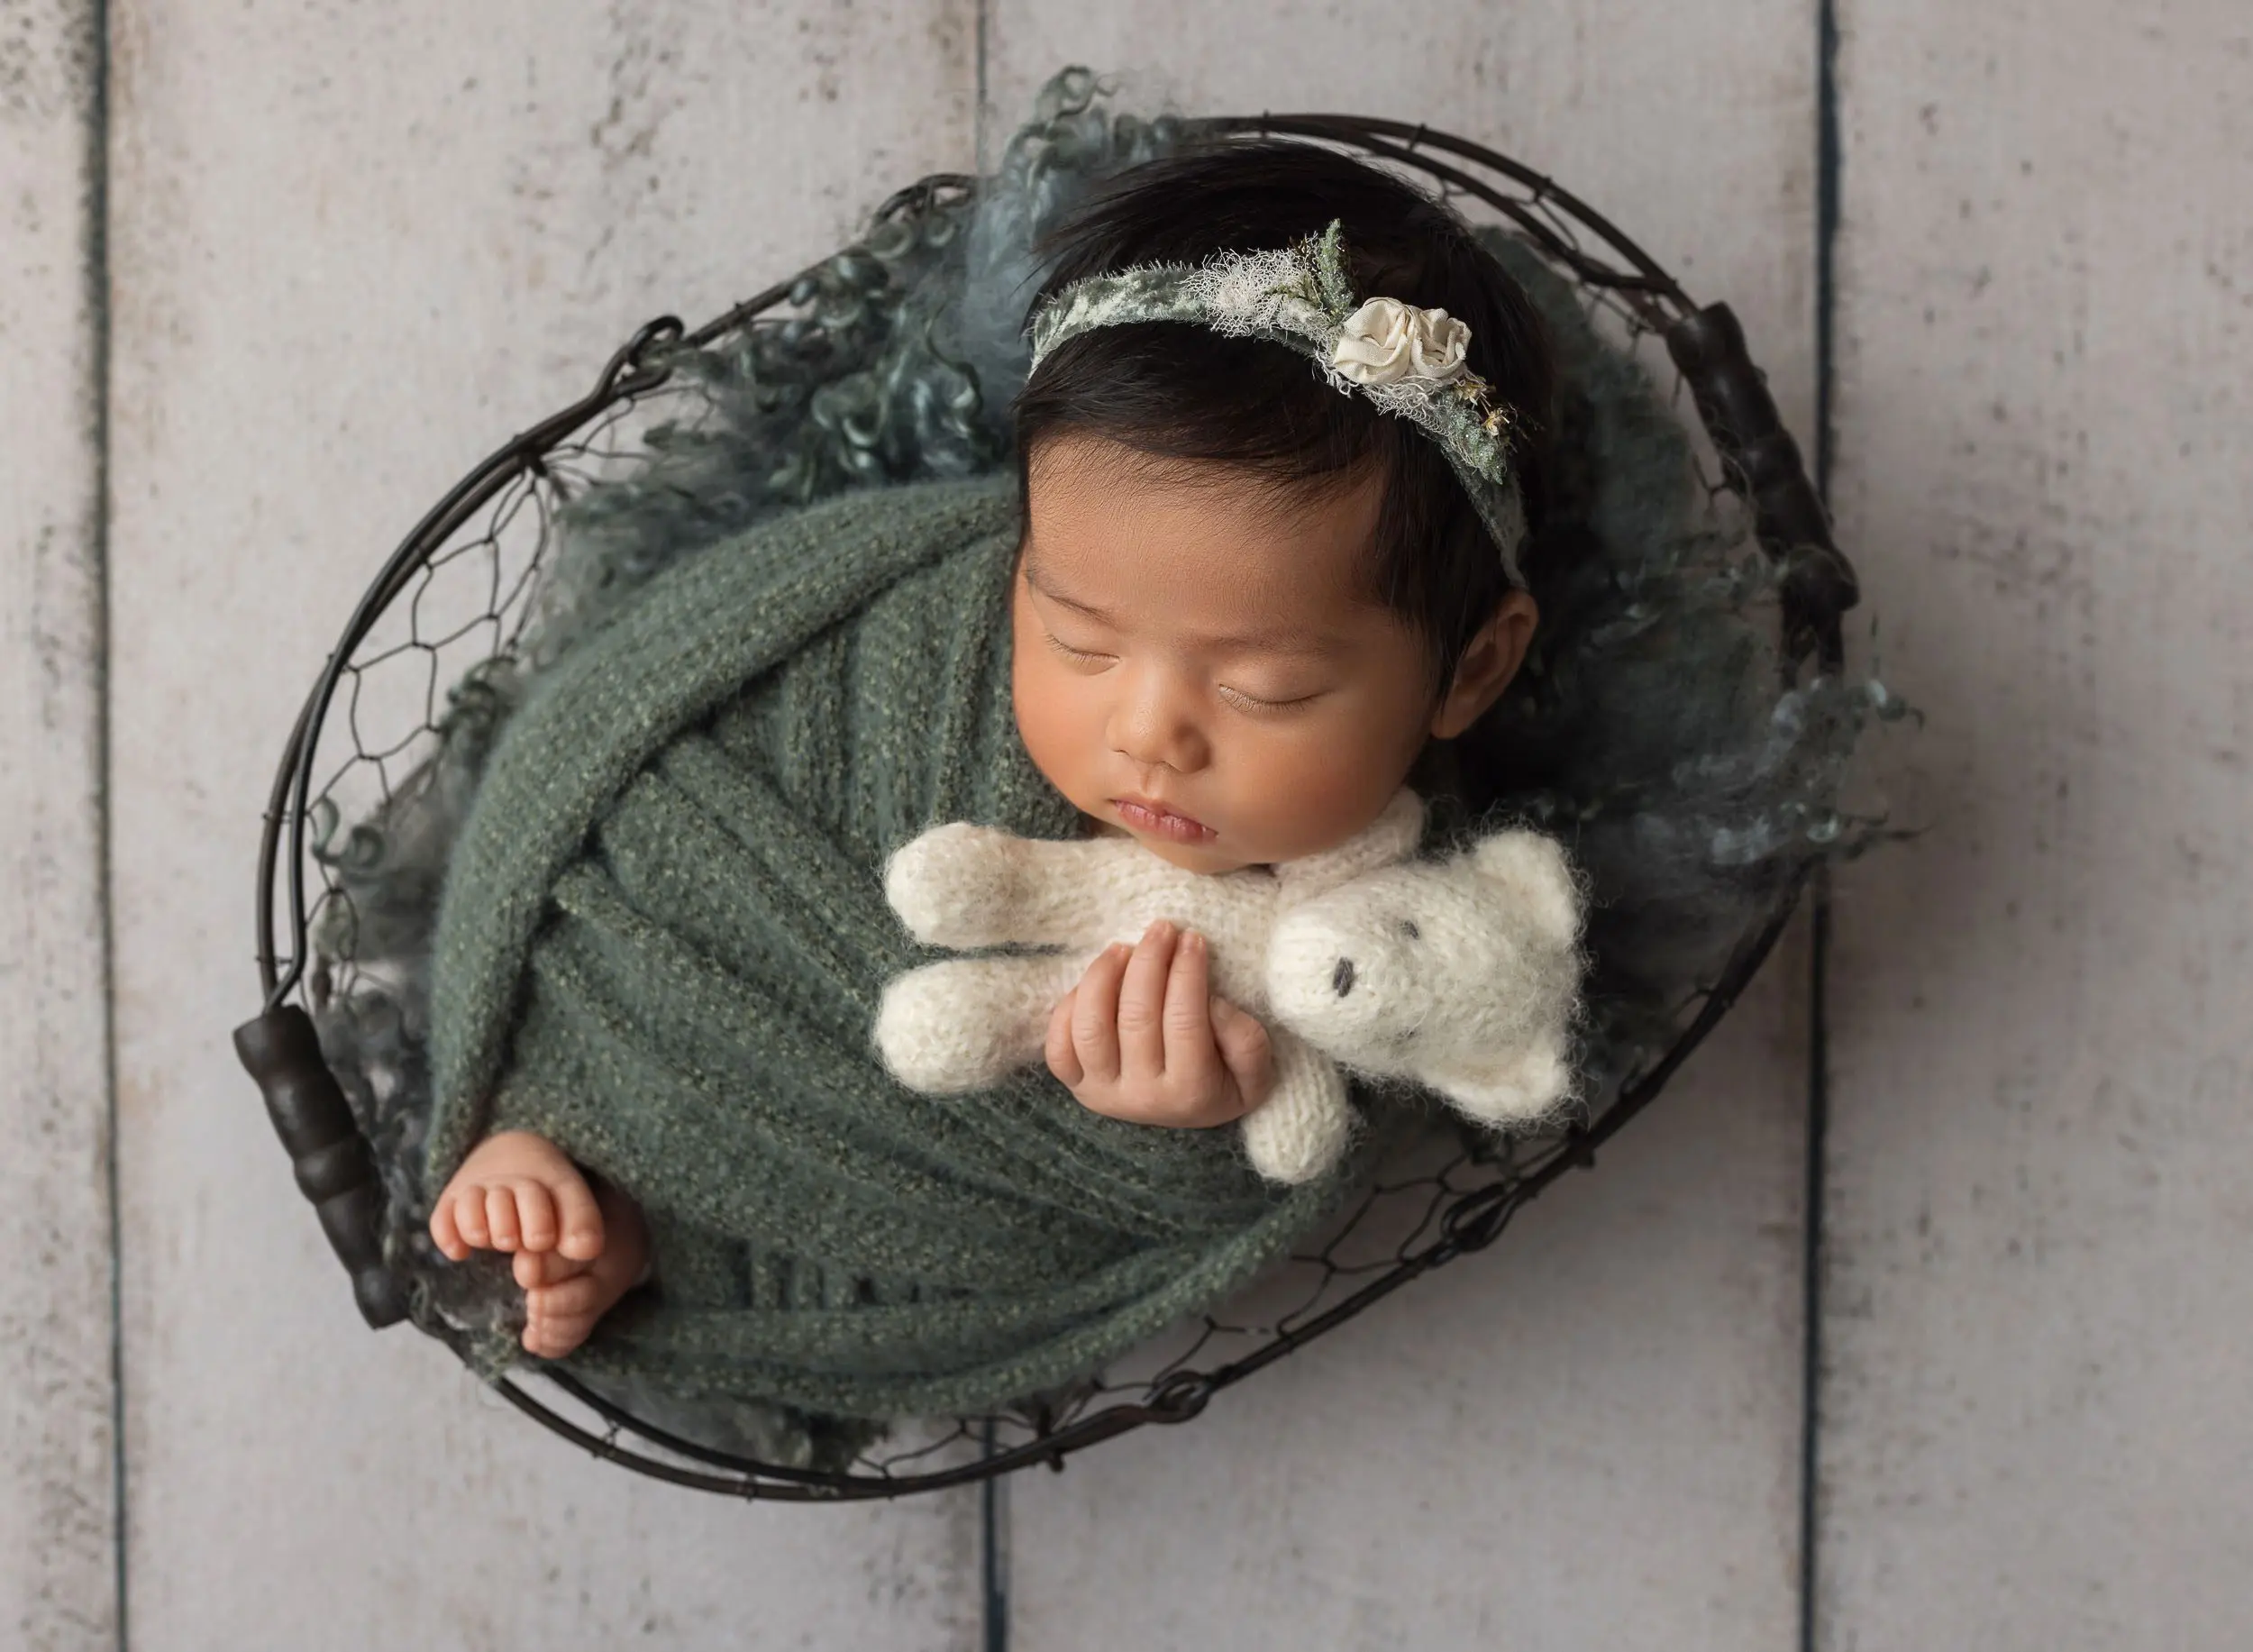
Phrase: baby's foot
(576, 1253)
(516, 1192)
(564, 1299)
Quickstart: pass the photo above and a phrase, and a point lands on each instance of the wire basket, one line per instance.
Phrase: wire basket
(459, 590)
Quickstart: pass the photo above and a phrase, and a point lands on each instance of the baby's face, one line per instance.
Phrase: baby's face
(1197, 665)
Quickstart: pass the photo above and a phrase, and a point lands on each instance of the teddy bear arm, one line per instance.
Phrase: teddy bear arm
(965, 1022)
(967, 886)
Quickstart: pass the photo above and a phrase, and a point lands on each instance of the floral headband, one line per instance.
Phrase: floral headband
(1408, 362)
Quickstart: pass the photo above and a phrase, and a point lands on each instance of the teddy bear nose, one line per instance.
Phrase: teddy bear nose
(1342, 977)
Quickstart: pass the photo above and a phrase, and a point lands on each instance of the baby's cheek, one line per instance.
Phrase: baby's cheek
(1050, 722)
(1048, 742)
(1313, 792)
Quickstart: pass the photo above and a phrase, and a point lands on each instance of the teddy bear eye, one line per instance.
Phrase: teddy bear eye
(1408, 928)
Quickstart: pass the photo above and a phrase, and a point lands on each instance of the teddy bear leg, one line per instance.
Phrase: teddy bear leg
(965, 1022)
(1301, 1128)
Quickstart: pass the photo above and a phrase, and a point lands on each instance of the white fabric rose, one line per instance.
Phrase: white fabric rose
(1386, 340)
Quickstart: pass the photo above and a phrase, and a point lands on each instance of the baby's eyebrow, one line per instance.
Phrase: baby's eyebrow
(1274, 639)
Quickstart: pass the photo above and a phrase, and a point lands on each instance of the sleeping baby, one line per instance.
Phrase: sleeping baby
(1267, 556)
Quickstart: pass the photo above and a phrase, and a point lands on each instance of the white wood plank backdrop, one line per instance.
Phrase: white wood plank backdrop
(350, 251)
(2038, 1418)
(1591, 1435)
(56, 1513)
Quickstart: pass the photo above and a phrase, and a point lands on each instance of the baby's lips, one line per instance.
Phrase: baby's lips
(1157, 821)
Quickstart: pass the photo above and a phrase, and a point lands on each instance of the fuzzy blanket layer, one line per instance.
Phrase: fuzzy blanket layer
(661, 943)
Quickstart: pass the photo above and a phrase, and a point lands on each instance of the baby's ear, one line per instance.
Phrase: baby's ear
(1533, 870)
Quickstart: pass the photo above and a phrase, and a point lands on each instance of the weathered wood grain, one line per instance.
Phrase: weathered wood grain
(57, 1515)
(1590, 1436)
(2038, 1420)
(355, 248)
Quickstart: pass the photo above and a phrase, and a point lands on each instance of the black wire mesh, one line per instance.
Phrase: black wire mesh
(460, 590)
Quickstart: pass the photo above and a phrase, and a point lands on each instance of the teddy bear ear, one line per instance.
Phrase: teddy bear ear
(1534, 870)
(1511, 1091)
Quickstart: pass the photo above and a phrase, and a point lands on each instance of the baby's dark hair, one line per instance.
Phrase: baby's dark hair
(1180, 391)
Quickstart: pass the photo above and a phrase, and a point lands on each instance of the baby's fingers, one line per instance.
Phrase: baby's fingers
(1064, 1060)
(1189, 1056)
(1141, 1000)
(1095, 1014)
(1245, 1048)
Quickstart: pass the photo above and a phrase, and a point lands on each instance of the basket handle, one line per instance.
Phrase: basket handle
(1733, 401)
(335, 1167)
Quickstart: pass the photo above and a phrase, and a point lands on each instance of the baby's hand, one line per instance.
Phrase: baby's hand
(1142, 1038)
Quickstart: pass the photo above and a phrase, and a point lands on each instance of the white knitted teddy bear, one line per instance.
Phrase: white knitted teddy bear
(1459, 975)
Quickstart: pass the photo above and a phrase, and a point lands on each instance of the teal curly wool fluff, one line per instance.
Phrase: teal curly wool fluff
(661, 946)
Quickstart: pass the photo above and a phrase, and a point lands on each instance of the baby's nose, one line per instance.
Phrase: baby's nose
(1342, 977)
(1153, 724)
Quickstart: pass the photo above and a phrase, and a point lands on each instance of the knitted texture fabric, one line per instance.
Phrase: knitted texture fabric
(661, 944)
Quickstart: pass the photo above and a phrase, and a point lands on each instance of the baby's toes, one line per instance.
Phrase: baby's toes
(536, 1268)
(445, 1232)
(578, 1219)
(558, 1318)
(469, 1213)
(535, 1217)
(500, 1217)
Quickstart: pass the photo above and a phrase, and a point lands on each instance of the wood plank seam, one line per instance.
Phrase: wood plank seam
(1830, 176)
(60, 1515)
(98, 300)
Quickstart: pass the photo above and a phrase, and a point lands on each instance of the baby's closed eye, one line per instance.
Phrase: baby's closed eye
(1257, 697)
(1078, 656)
(1244, 699)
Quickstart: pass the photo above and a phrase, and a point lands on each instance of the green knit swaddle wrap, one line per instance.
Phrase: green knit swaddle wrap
(662, 943)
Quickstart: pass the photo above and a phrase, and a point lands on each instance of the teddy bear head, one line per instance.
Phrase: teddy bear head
(1457, 974)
